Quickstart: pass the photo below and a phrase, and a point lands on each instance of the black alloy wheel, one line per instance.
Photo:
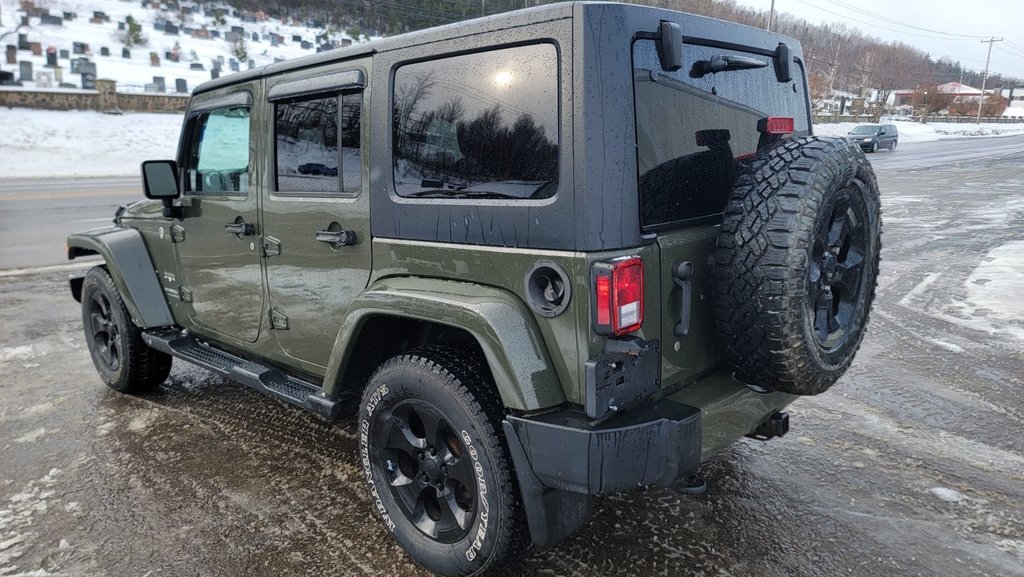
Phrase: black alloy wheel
(432, 448)
(115, 343)
(104, 331)
(429, 471)
(835, 272)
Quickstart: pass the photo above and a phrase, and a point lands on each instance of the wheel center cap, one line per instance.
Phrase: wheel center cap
(432, 467)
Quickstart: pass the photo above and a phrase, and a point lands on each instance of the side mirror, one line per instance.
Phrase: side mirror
(160, 179)
(670, 46)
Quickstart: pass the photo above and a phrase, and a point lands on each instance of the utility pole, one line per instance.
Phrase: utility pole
(771, 14)
(981, 101)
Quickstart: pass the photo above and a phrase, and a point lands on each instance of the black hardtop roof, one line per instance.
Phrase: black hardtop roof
(486, 25)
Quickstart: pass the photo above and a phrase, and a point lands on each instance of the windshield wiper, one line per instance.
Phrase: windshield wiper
(702, 68)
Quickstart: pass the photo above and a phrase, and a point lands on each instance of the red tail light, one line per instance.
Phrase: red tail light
(618, 296)
(776, 125)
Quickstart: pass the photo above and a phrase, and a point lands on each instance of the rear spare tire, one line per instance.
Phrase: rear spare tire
(796, 264)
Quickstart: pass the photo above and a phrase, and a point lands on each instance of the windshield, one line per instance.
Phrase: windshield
(691, 130)
(864, 130)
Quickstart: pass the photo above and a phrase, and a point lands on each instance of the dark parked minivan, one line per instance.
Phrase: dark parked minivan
(871, 137)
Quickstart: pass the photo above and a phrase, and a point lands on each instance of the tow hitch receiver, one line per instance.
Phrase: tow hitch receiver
(776, 425)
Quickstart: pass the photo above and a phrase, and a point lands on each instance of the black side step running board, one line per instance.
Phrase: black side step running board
(269, 380)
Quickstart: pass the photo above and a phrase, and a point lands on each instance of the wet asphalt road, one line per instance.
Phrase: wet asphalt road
(912, 465)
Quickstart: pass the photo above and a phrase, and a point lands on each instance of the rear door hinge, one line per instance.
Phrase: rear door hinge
(185, 295)
(177, 233)
(271, 246)
(278, 320)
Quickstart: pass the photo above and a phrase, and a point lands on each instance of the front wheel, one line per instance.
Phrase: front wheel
(874, 147)
(434, 456)
(122, 359)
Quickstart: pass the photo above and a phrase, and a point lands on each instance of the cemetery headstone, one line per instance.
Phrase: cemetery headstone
(159, 81)
(120, 25)
(154, 59)
(70, 16)
(51, 20)
(252, 64)
(51, 57)
(25, 71)
(151, 88)
(126, 53)
(64, 55)
(171, 29)
(12, 54)
(233, 65)
(58, 75)
(89, 81)
(296, 38)
(104, 51)
(23, 42)
(44, 79)
(215, 74)
(196, 66)
(79, 47)
(36, 48)
(255, 37)
(181, 85)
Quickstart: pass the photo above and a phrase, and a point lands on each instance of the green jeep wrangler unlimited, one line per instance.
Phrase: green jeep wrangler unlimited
(550, 254)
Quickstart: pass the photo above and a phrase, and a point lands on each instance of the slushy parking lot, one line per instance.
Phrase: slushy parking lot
(910, 465)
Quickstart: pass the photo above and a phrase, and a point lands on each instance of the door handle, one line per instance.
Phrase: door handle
(240, 228)
(682, 275)
(336, 237)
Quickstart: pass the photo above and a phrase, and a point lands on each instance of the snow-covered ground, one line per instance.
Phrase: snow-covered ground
(134, 73)
(47, 143)
(40, 143)
(918, 132)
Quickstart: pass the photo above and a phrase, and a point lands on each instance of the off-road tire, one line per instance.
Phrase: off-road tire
(127, 365)
(453, 381)
(766, 303)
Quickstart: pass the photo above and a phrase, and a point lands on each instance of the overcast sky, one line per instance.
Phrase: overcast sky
(942, 19)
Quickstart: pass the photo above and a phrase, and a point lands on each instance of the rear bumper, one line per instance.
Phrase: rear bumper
(563, 458)
(656, 444)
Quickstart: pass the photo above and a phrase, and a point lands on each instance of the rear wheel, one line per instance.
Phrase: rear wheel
(434, 456)
(122, 359)
(893, 145)
(797, 263)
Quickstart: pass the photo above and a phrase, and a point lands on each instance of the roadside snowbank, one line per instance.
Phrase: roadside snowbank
(44, 143)
(917, 132)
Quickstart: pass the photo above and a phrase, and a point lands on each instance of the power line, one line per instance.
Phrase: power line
(899, 23)
(878, 26)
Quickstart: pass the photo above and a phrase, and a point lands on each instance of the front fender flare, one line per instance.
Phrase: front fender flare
(499, 321)
(130, 268)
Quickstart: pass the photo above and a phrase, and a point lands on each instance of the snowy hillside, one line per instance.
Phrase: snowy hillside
(132, 74)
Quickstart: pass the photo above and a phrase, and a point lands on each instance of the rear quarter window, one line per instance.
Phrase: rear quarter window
(479, 126)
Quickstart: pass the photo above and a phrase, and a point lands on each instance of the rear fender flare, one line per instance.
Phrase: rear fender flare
(131, 269)
(499, 321)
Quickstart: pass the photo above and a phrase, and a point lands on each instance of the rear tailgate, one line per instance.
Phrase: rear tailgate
(692, 136)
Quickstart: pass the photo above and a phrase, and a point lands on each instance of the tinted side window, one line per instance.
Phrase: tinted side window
(317, 145)
(481, 125)
(693, 132)
(219, 159)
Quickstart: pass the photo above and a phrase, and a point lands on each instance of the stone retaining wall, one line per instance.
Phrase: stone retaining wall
(104, 99)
